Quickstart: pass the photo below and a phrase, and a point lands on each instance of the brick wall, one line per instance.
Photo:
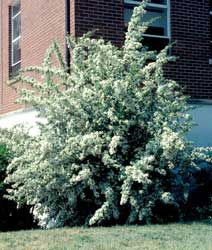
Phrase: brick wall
(42, 21)
(190, 28)
(104, 16)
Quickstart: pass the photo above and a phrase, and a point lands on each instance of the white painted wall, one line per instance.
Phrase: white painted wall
(27, 117)
(201, 134)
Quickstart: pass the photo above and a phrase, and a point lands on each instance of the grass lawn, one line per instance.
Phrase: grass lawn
(188, 236)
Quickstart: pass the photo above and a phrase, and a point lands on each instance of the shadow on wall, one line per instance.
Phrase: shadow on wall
(201, 133)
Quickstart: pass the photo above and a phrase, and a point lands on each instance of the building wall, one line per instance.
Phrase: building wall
(42, 21)
(190, 29)
(105, 18)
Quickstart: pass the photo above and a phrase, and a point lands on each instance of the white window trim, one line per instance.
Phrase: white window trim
(13, 17)
(164, 6)
(14, 40)
(161, 6)
(156, 36)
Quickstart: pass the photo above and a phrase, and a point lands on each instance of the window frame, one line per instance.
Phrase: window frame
(13, 64)
(159, 6)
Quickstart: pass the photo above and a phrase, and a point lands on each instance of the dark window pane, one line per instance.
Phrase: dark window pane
(159, 1)
(16, 51)
(15, 9)
(154, 43)
(157, 27)
(16, 26)
(157, 31)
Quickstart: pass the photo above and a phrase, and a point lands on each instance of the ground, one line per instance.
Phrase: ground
(187, 236)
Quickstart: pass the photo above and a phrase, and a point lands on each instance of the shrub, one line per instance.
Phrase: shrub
(4, 161)
(113, 146)
(11, 218)
(199, 204)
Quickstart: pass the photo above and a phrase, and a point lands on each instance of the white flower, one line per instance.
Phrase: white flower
(113, 144)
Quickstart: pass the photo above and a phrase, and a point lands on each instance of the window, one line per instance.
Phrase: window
(15, 35)
(158, 33)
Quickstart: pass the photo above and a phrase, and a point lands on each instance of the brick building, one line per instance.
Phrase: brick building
(27, 28)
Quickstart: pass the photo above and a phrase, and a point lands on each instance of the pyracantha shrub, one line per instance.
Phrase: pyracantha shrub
(112, 147)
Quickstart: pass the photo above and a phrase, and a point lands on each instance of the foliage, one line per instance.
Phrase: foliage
(113, 146)
(4, 158)
(199, 204)
(11, 218)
